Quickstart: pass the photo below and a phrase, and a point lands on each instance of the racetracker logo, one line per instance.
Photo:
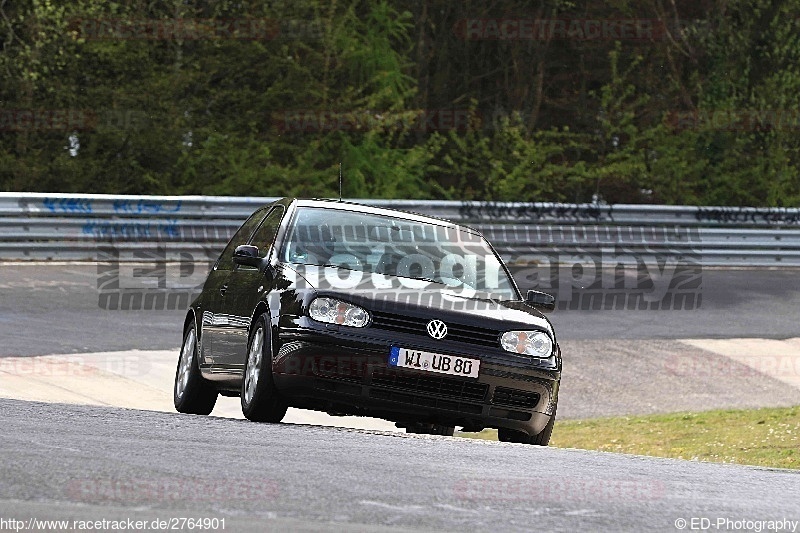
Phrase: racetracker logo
(559, 490)
(735, 120)
(240, 29)
(529, 29)
(782, 366)
(425, 120)
(78, 365)
(157, 490)
(72, 120)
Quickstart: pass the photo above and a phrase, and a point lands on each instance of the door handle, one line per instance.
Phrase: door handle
(223, 289)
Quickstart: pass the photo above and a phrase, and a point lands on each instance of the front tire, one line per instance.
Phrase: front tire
(260, 399)
(540, 439)
(192, 394)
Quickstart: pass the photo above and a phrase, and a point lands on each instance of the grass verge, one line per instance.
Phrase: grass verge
(763, 437)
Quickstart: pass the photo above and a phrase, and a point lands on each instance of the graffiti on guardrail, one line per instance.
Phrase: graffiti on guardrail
(122, 207)
(749, 215)
(570, 227)
(138, 207)
(85, 206)
(536, 212)
(651, 275)
(158, 280)
(168, 230)
(104, 230)
(67, 205)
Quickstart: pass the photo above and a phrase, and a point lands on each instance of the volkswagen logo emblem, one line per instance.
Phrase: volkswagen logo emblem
(437, 329)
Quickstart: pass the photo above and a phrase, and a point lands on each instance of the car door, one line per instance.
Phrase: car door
(215, 323)
(246, 287)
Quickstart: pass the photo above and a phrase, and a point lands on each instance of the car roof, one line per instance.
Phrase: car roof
(367, 209)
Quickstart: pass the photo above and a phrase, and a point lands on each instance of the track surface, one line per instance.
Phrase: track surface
(616, 362)
(86, 462)
(48, 309)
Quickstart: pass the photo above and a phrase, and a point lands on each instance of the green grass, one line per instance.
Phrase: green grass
(763, 437)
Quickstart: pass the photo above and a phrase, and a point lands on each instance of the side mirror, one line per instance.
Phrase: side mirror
(541, 300)
(247, 255)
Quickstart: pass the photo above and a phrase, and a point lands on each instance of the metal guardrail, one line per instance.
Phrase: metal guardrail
(40, 226)
(100, 205)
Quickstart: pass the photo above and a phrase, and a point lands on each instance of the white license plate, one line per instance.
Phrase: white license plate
(434, 362)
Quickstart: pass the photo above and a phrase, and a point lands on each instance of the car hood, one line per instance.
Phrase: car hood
(422, 299)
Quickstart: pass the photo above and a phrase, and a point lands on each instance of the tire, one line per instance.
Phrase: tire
(192, 394)
(540, 439)
(260, 399)
(431, 429)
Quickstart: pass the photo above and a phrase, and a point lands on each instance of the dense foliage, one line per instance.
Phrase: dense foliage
(646, 101)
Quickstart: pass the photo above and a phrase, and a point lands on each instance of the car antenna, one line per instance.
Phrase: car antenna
(340, 181)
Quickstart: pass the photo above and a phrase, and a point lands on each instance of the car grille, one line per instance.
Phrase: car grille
(515, 398)
(424, 401)
(418, 326)
(431, 385)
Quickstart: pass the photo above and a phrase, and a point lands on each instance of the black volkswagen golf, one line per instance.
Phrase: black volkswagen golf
(355, 310)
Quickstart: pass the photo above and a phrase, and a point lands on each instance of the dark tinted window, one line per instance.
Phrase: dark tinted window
(240, 237)
(450, 256)
(265, 234)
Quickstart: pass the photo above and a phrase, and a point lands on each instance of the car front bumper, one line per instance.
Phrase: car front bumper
(346, 371)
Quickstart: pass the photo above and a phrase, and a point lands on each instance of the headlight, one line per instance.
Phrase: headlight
(534, 343)
(334, 311)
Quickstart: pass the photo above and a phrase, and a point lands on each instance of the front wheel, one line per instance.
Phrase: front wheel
(192, 394)
(260, 400)
(540, 439)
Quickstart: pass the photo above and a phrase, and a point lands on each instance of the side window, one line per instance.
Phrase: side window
(265, 234)
(225, 261)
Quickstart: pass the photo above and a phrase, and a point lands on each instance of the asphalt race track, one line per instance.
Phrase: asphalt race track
(61, 300)
(83, 462)
(88, 462)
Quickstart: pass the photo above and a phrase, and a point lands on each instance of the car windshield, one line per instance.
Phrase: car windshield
(451, 257)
